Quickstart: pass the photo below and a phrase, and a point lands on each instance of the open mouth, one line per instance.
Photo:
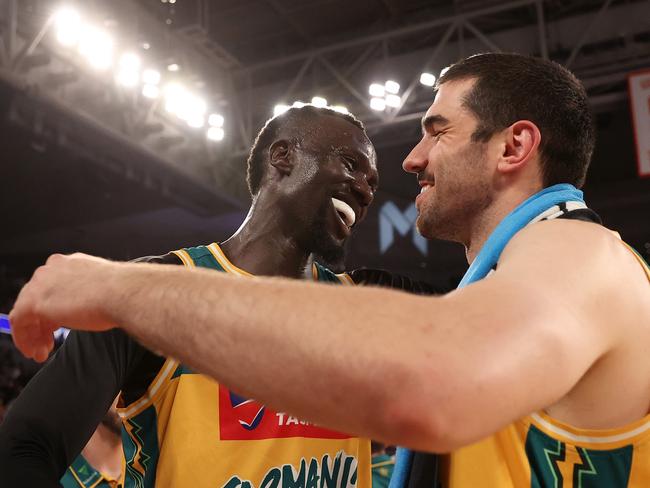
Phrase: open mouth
(345, 212)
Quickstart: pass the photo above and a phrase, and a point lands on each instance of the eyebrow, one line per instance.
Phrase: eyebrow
(428, 122)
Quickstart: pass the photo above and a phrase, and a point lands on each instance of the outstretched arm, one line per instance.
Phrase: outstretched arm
(55, 415)
(428, 373)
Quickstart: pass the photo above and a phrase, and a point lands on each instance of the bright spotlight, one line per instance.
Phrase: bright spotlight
(393, 101)
(68, 26)
(340, 109)
(319, 102)
(298, 104)
(174, 97)
(128, 78)
(428, 79)
(97, 47)
(185, 105)
(129, 71)
(377, 90)
(196, 121)
(151, 76)
(280, 109)
(378, 104)
(150, 91)
(216, 120)
(392, 87)
(216, 133)
(173, 67)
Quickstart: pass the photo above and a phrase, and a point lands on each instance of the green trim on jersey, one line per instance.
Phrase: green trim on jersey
(597, 468)
(141, 449)
(81, 474)
(325, 275)
(203, 258)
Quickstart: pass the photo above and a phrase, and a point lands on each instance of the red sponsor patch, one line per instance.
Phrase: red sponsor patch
(243, 419)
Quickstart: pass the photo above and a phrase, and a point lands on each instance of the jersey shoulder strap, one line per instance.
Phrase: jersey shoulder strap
(199, 256)
(321, 273)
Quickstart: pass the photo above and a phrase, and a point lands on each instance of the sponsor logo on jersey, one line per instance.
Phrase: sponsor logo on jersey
(339, 472)
(245, 419)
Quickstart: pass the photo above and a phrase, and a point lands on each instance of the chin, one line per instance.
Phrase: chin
(330, 255)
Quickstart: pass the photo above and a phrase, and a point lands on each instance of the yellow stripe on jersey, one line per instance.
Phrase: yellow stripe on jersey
(225, 262)
(185, 258)
(155, 389)
(345, 279)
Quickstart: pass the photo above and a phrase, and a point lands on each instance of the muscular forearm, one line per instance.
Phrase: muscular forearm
(429, 373)
(251, 335)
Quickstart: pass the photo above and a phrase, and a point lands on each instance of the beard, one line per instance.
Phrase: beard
(462, 193)
(324, 248)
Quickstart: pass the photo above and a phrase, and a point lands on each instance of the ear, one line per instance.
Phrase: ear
(520, 146)
(280, 156)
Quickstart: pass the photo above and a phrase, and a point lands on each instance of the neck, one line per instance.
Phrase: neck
(485, 223)
(104, 452)
(264, 247)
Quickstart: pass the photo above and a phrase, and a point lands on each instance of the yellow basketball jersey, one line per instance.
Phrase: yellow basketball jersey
(190, 431)
(541, 452)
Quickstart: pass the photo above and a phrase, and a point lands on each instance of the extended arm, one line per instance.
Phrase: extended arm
(405, 369)
(53, 418)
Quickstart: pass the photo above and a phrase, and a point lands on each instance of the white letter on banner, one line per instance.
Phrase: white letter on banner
(391, 219)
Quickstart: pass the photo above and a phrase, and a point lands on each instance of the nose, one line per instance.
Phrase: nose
(363, 192)
(417, 159)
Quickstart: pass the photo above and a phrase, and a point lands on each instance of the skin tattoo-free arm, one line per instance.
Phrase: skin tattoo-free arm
(429, 373)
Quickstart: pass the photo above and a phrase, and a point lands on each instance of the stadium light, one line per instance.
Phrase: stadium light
(428, 79)
(377, 90)
(150, 91)
(129, 70)
(151, 76)
(393, 101)
(216, 133)
(173, 67)
(216, 120)
(174, 94)
(196, 121)
(378, 104)
(97, 47)
(68, 26)
(392, 87)
(319, 102)
(385, 96)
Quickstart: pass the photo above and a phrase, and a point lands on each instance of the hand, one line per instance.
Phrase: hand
(67, 291)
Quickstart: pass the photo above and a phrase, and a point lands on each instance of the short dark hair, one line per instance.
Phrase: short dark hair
(511, 87)
(298, 122)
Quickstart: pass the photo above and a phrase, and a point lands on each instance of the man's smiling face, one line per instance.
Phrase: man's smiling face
(452, 169)
(333, 184)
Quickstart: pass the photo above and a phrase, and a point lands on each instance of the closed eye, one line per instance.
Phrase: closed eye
(349, 162)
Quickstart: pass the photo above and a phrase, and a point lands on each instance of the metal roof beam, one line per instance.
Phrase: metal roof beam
(393, 33)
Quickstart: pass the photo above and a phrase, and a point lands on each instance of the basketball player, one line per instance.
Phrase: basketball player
(535, 373)
(312, 174)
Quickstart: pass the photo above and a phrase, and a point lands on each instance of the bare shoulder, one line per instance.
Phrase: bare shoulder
(581, 262)
(571, 245)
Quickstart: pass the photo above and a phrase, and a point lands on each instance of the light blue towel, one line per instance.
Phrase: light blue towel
(485, 261)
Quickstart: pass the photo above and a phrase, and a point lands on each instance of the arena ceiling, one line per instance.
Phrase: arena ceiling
(85, 168)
